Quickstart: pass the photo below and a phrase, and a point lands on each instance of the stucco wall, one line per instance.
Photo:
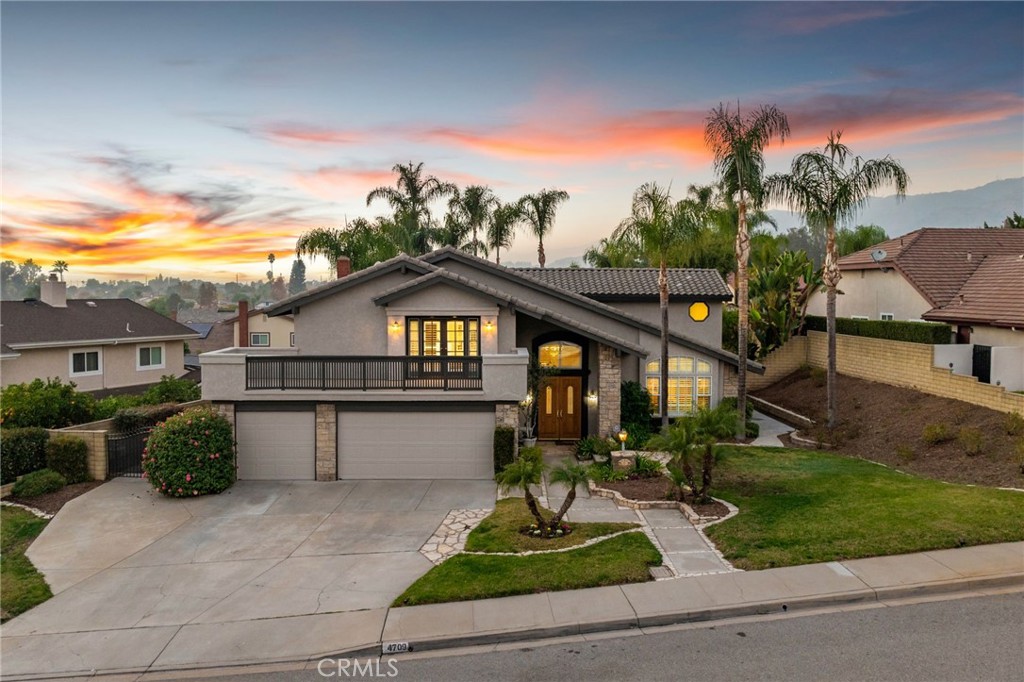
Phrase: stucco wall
(279, 328)
(118, 362)
(996, 336)
(869, 293)
(443, 300)
(1008, 367)
(708, 332)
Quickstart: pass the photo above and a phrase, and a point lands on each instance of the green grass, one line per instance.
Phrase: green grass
(618, 560)
(21, 585)
(499, 532)
(800, 507)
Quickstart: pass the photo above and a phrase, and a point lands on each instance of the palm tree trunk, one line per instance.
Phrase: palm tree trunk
(663, 299)
(540, 251)
(497, 255)
(557, 518)
(531, 504)
(831, 278)
(742, 257)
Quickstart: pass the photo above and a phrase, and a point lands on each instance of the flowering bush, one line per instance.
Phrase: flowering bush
(190, 454)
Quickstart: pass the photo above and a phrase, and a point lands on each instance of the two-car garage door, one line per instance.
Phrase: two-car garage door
(415, 445)
(375, 444)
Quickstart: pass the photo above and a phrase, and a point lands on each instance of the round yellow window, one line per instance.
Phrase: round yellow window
(699, 311)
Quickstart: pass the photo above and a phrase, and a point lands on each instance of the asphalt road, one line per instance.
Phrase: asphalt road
(957, 640)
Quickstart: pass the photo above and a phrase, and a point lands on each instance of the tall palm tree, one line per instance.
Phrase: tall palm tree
(410, 201)
(737, 142)
(539, 211)
(473, 207)
(501, 230)
(270, 259)
(60, 267)
(826, 190)
(651, 225)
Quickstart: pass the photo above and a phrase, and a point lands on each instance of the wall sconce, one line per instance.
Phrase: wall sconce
(527, 400)
(489, 326)
(592, 398)
(396, 326)
(623, 435)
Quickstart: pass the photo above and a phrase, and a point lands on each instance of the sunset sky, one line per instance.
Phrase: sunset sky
(191, 139)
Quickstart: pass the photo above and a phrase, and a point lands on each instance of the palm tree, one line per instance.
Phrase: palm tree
(270, 259)
(737, 143)
(571, 475)
(825, 190)
(539, 212)
(473, 207)
(363, 242)
(60, 267)
(409, 200)
(501, 230)
(520, 474)
(652, 226)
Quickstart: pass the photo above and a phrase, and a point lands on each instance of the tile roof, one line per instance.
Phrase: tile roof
(993, 295)
(33, 323)
(618, 283)
(938, 262)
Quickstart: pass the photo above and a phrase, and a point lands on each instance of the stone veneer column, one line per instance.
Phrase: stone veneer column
(609, 381)
(326, 442)
(507, 414)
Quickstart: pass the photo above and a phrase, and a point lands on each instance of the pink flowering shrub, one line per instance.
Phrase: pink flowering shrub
(190, 454)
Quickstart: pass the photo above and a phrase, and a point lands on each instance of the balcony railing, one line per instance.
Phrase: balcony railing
(372, 373)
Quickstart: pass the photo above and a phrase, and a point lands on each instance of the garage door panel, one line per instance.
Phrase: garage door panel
(277, 446)
(415, 445)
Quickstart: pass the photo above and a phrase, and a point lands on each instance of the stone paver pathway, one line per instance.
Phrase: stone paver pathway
(450, 537)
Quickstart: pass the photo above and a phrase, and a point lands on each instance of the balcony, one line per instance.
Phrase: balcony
(364, 373)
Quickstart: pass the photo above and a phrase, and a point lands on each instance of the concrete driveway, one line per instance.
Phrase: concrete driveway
(144, 581)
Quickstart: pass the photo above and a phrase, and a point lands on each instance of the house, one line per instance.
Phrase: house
(972, 279)
(102, 345)
(255, 328)
(403, 370)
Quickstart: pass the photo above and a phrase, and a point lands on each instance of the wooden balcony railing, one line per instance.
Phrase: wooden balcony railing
(371, 373)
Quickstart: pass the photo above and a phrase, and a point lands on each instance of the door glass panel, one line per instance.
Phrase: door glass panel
(456, 337)
(414, 337)
(548, 399)
(431, 337)
(571, 357)
(474, 337)
(569, 400)
(549, 355)
(561, 355)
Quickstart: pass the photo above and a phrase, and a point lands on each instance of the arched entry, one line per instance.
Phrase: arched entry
(561, 413)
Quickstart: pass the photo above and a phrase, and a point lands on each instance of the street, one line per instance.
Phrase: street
(979, 638)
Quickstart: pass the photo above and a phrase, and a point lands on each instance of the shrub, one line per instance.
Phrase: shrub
(69, 457)
(1013, 424)
(23, 451)
(190, 454)
(971, 440)
(532, 454)
(504, 446)
(172, 390)
(646, 467)
(818, 376)
(112, 404)
(934, 434)
(915, 332)
(591, 446)
(730, 403)
(50, 405)
(1020, 455)
(634, 403)
(637, 435)
(905, 453)
(753, 429)
(602, 472)
(38, 483)
(132, 418)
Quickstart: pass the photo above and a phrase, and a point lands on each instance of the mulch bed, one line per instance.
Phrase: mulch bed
(52, 502)
(885, 423)
(659, 488)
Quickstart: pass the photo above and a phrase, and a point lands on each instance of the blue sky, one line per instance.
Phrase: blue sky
(193, 138)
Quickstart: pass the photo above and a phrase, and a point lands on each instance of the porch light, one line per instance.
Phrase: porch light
(396, 326)
(623, 435)
(489, 326)
(528, 399)
(592, 398)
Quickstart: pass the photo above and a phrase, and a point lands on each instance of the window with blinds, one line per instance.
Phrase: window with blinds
(689, 385)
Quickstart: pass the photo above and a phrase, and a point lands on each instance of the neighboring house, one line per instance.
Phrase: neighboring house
(100, 344)
(403, 370)
(254, 328)
(972, 279)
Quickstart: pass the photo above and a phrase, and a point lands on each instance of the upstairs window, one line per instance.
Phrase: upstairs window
(434, 336)
(259, 338)
(151, 357)
(86, 362)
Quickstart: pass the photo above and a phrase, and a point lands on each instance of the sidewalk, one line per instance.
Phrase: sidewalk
(510, 619)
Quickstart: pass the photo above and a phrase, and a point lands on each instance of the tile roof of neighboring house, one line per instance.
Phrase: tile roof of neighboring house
(938, 262)
(28, 324)
(201, 328)
(608, 284)
(993, 295)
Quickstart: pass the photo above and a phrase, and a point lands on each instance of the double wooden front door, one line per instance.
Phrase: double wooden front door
(560, 407)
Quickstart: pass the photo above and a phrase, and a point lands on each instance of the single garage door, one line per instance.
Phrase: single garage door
(276, 446)
(415, 445)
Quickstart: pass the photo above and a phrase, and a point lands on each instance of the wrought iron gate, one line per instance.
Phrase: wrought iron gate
(124, 452)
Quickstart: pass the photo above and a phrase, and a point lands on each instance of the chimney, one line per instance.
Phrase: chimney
(174, 315)
(243, 324)
(344, 266)
(53, 293)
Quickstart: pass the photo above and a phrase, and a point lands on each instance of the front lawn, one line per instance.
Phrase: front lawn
(801, 507)
(616, 561)
(21, 585)
(499, 532)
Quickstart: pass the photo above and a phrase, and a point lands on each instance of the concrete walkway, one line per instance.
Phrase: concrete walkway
(770, 430)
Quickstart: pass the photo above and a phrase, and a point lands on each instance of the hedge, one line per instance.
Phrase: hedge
(24, 451)
(69, 457)
(504, 447)
(931, 333)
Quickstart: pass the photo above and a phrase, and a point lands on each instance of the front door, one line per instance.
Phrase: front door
(560, 405)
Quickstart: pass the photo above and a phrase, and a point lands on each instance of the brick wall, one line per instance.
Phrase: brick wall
(326, 442)
(780, 362)
(609, 380)
(96, 443)
(897, 363)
